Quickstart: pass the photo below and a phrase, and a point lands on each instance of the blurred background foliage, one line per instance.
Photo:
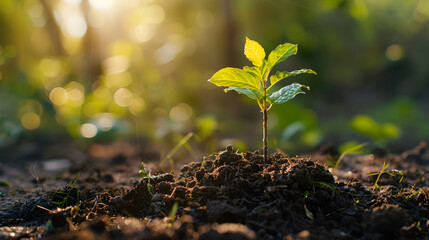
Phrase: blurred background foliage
(103, 70)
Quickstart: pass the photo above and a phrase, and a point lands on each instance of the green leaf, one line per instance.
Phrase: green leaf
(235, 77)
(281, 53)
(253, 94)
(254, 52)
(142, 171)
(252, 70)
(282, 75)
(287, 93)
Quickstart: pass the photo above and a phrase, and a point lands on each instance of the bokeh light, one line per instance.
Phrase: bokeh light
(394, 52)
(137, 106)
(88, 130)
(58, 96)
(50, 67)
(109, 62)
(181, 112)
(105, 122)
(123, 97)
(30, 120)
(102, 5)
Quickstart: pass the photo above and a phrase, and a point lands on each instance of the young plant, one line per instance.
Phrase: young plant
(144, 174)
(331, 162)
(70, 196)
(391, 173)
(256, 82)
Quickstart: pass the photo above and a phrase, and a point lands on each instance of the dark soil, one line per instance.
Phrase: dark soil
(229, 195)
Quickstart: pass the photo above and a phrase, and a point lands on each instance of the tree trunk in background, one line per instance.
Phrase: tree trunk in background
(54, 30)
(230, 53)
(91, 47)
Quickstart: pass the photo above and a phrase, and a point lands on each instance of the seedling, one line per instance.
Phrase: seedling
(418, 193)
(5, 184)
(335, 163)
(173, 212)
(144, 174)
(307, 212)
(70, 196)
(383, 170)
(182, 142)
(327, 185)
(256, 82)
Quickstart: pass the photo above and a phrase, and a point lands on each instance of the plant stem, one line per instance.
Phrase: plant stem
(264, 125)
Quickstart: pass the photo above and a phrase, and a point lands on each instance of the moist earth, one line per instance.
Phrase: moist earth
(228, 195)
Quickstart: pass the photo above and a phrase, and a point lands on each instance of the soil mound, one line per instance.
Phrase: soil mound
(234, 195)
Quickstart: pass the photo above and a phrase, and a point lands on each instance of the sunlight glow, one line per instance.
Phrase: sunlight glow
(73, 2)
(75, 26)
(88, 130)
(102, 5)
(71, 20)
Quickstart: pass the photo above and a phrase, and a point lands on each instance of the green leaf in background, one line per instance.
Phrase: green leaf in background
(282, 75)
(287, 93)
(281, 53)
(235, 77)
(254, 52)
(253, 94)
(5, 184)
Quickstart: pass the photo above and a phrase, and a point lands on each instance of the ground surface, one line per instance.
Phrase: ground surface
(228, 195)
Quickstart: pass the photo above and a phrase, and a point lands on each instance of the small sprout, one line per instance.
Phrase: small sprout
(182, 142)
(255, 82)
(327, 185)
(418, 192)
(5, 184)
(334, 164)
(173, 211)
(418, 226)
(411, 195)
(149, 186)
(391, 173)
(307, 212)
(203, 162)
(144, 174)
(70, 196)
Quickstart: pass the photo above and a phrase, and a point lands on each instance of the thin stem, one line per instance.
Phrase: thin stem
(264, 125)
